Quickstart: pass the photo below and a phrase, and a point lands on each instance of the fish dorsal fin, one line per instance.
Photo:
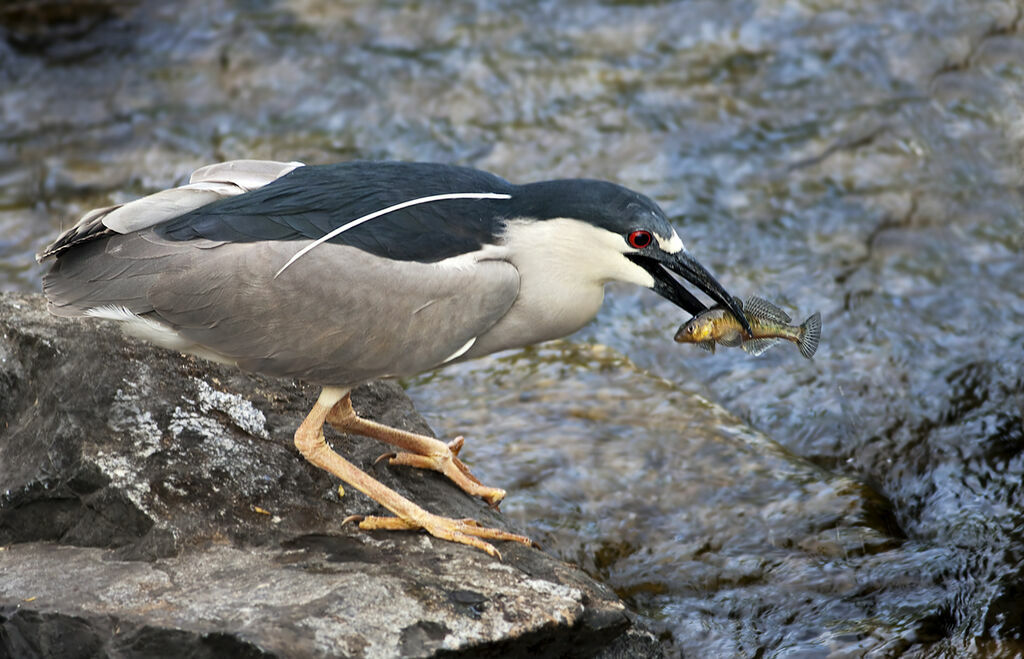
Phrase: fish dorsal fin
(757, 347)
(761, 308)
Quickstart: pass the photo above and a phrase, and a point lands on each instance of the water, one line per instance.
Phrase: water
(858, 158)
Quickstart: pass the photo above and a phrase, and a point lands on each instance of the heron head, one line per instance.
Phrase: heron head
(622, 235)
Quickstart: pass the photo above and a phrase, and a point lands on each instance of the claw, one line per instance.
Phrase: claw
(384, 456)
(415, 450)
(334, 405)
(465, 531)
(453, 468)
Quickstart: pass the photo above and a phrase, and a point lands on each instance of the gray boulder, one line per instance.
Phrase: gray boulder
(153, 505)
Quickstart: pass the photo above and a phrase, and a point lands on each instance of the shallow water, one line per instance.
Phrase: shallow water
(862, 159)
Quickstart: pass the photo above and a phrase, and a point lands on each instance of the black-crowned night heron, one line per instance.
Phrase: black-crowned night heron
(339, 274)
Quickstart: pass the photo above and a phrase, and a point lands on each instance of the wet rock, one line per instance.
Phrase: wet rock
(153, 502)
(61, 28)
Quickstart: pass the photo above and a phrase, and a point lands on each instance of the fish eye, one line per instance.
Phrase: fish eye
(639, 239)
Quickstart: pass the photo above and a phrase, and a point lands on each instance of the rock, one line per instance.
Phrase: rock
(155, 504)
(63, 29)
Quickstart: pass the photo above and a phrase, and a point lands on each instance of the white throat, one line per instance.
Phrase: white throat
(572, 252)
(563, 266)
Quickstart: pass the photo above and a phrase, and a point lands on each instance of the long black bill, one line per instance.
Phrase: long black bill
(689, 269)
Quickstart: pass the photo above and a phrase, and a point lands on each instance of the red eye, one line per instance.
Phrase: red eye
(639, 239)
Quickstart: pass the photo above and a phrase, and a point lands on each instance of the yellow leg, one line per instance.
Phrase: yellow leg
(309, 439)
(418, 450)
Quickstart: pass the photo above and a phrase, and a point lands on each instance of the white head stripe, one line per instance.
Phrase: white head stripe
(384, 211)
(671, 245)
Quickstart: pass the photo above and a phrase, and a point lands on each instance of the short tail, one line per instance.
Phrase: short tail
(810, 332)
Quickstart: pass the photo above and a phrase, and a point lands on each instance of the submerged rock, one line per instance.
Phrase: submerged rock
(154, 503)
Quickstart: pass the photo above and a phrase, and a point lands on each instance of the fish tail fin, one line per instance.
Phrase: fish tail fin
(810, 333)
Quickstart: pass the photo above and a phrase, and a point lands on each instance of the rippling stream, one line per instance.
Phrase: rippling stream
(860, 158)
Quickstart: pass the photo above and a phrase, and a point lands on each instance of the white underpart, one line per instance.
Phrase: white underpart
(565, 263)
(461, 351)
(153, 331)
(384, 211)
(563, 267)
(672, 245)
(329, 396)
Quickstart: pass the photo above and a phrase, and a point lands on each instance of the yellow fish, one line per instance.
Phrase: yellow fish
(769, 323)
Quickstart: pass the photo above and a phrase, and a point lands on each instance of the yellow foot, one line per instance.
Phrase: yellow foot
(447, 462)
(464, 531)
(417, 450)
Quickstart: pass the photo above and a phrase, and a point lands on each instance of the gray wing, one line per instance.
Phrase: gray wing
(206, 185)
(337, 316)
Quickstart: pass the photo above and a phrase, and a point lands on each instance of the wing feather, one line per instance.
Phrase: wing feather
(253, 201)
(338, 316)
(246, 174)
(206, 185)
(314, 202)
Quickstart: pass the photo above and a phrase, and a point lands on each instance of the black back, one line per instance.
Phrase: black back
(311, 201)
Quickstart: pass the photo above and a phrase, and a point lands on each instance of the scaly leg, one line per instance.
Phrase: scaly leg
(309, 439)
(420, 451)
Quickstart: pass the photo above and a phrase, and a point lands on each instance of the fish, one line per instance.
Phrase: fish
(770, 324)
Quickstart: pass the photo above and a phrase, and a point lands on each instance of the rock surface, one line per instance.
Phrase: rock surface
(154, 504)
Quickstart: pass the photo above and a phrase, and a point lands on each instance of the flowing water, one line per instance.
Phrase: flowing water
(858, 158)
